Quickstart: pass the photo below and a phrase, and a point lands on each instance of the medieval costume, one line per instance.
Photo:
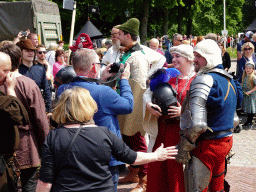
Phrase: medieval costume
(207, 120)
(167, 176)
(32, 135)
(131, 125)
(12, 114)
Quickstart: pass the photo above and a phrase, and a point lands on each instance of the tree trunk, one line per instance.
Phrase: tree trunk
(180, 18)
(144, 22)
(166, 18)
(190, 18)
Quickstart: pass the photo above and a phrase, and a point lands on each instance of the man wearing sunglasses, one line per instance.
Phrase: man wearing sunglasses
(177, 39)
(113, 53)
(40, 58)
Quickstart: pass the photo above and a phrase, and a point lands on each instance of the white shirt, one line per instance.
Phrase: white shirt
(111, 56)
(50, 57)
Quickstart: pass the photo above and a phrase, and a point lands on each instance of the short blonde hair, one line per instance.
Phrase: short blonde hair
(248, 44)
(75, 106)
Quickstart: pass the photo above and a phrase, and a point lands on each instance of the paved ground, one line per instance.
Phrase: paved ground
(241, 174)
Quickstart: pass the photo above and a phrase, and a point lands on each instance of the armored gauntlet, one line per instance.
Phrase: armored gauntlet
(184, 147)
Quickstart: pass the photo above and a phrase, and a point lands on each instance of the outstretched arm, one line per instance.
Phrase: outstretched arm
(161, 154)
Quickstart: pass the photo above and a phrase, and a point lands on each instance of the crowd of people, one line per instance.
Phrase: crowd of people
(83, 117)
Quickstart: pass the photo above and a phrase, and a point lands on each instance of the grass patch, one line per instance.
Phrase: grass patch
(232, 52)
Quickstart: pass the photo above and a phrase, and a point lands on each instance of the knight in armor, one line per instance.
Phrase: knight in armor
(207, 120)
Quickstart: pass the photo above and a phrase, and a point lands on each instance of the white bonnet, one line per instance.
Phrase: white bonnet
(183, 50)
(210, 50)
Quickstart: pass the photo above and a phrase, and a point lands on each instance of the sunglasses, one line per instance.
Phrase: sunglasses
(246, 49)
(41, 52)
(178, 40)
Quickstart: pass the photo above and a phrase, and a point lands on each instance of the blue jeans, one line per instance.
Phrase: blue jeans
(115, 176)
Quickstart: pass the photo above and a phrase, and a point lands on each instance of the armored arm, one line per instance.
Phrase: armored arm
(194, 118)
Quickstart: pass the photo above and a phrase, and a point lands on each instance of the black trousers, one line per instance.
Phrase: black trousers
(28, 179)
(249, 117)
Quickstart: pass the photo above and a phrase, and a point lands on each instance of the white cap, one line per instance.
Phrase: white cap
(183, 50)
(249, 34)
(210, 50)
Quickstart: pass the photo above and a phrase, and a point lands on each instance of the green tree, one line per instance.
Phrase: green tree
(158, 17)
(208, 16)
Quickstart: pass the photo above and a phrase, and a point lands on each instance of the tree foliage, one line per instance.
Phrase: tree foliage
(159, 17)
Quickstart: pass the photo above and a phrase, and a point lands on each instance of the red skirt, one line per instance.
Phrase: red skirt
(166, 176)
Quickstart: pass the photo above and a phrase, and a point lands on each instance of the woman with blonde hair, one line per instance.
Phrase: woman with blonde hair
(249, 88)
(247, 52)
(76, 155)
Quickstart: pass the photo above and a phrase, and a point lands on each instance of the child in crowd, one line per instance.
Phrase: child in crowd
(249, 88)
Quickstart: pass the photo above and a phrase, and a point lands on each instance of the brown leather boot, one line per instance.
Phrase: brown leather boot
(142, 186)
(132, 176)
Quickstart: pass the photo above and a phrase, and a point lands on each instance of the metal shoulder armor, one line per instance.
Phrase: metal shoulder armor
(196, 113)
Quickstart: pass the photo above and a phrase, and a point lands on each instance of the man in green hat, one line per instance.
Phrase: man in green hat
(131, 125)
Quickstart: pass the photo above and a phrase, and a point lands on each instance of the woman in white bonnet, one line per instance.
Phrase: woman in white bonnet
(168, 176)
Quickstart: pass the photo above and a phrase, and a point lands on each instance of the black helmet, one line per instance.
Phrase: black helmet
(64, 76)
(164, 96)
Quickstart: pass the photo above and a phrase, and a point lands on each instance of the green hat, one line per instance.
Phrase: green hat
(131, 26)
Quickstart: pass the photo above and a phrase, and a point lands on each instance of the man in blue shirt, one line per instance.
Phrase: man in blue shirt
(110, 104)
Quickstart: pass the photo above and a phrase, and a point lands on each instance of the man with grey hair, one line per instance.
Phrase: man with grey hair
(113, 53)
(110, 104)
(212, 36)
(177, 40)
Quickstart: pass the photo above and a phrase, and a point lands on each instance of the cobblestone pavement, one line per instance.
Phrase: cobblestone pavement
(241, 174)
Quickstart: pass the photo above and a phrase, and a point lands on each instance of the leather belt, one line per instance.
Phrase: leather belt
(213, 135)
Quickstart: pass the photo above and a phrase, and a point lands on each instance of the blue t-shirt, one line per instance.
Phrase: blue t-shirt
(168, 57)
(239, 45)
(220, 113)
(110, 104)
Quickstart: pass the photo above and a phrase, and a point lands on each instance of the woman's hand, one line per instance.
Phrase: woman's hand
(154, 109)
(174, 111)
(163, 154)
(160, 154)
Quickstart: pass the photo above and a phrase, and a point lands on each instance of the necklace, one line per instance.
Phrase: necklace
(177, 86)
